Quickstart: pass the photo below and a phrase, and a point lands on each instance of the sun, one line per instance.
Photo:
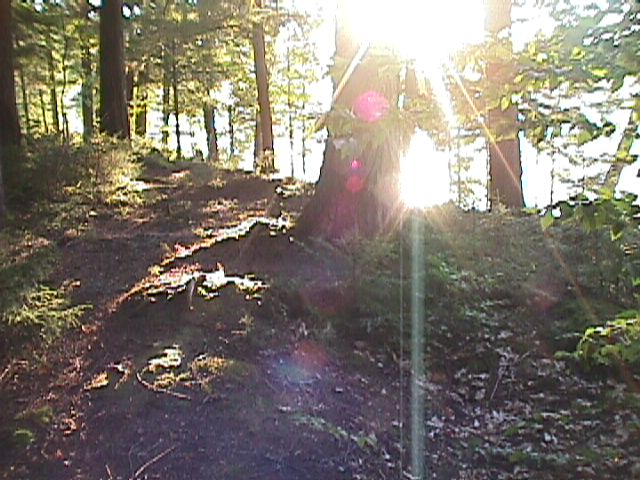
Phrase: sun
(424, 174)
(427, 33)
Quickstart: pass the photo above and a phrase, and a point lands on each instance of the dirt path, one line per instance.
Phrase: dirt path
(246, 393)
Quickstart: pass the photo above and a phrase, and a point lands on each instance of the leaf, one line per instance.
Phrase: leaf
(547, 220)
(577, 53)
(505, 102)
(584, 137)
(599, 72)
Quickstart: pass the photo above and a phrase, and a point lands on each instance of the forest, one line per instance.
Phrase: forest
(305, 239)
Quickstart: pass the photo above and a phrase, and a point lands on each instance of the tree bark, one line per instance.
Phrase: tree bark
(114, 119)
(141, 97)
(43, 112)
(25, 100)
(10, 134)
(505, 168)
(262, 81)
(290, 114)
(176, 109)
(257, 143)
(355, 196)
(166, 92)
(53, 94)
(232, 137)
(209, 118)
(63, 110)
(87, 94)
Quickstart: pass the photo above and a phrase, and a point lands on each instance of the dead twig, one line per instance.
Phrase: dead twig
(502, 369)
(6, 371)
(153, 388)
(155, 459)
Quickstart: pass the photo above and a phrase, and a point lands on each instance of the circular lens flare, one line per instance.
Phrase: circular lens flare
(370, 106)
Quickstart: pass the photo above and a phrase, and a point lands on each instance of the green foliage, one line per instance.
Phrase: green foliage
(616, 343)
(45, 312)
(612, 225)
(101, 172)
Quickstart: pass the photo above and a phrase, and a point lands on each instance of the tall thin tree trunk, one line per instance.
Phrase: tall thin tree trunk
(176, 109)
(303, 127)
(114, 119)
(87, 94)
(166, 92)
(262, 81)
(141, 99)
(290, 112)
(53, 95)
(63, 110)
(504, 145)
(25, 100)
(43, 112)
(232, 138)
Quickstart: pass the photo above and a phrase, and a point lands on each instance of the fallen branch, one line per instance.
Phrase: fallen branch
(153, 388)
(502, 370)
(5, 372)
(152, 461)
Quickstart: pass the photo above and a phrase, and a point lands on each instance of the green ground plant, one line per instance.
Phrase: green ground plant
(53, 189)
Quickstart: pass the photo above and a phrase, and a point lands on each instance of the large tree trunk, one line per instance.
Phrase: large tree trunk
(257, 143)
(505, 168)
(9, 124)
(53, 94)
(114, 119)
(87, 94)
(356, 196)
(141, 98)
(209, 119)
(262, 80)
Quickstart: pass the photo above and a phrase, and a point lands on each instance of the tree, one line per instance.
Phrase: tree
(9, 125)
(262, 82)
(357, 192)
(505, 167)
(114, 119)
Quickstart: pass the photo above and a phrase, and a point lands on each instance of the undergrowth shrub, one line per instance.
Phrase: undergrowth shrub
(615, 343)
(611, 258)
(489, 272)
(29, 309)
(48, 171)
(44, 312)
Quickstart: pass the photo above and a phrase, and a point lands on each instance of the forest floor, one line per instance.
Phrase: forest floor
(207, 355)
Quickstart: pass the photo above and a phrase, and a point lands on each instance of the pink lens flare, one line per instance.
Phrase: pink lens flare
(370, 106)
(355, 183)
